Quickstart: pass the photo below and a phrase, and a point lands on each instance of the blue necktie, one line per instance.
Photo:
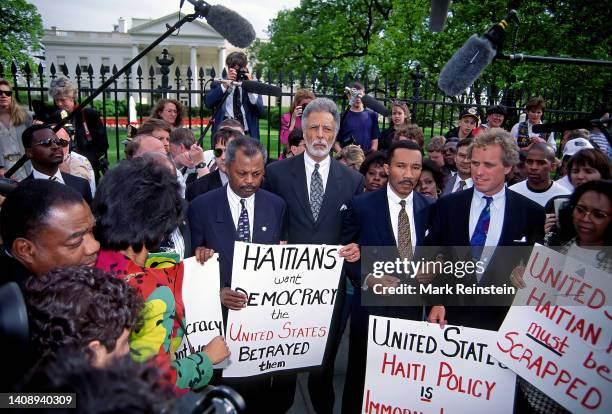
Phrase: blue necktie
(479, 237)
(244, 231)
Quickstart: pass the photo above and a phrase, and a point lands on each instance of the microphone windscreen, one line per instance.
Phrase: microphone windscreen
(439, 10)
(232, 26)
(261, 88)
(466, 65)
(375, 105)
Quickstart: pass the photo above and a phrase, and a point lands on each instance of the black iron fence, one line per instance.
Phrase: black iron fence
(430, 108)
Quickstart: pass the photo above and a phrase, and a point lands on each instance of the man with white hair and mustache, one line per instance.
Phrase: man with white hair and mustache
(318, 190)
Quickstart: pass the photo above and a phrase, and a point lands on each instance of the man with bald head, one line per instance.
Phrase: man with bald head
(538, 186)
(141, 144)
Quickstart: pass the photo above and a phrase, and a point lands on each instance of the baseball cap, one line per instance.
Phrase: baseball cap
(471, 111)
(575, 145)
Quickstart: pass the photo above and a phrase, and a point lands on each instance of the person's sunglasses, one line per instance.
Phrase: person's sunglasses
(6, 93)
(218, 152)
(50, 141)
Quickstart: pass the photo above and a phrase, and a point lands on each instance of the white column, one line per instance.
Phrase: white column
(193, 63)
(221, 62)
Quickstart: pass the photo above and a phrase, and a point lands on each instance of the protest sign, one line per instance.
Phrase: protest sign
(557, 333)
(203, 320)
(291, 291)
(416, 367)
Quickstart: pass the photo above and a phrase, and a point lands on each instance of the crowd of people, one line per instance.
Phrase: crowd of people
(81, 242)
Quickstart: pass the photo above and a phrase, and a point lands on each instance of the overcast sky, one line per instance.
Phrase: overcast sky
(101, 15)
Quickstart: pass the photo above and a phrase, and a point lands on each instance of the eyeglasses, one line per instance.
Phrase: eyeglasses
(596, 215)
(218, 152)
(6, 93)
(49, 141)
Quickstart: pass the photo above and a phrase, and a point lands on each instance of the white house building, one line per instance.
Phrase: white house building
(196, 46)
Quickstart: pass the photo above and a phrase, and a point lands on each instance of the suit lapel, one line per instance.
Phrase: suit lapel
(418, 210)
(224, 226)
(510, 219)
(462, 220)
(261, 221)
(298, 170)
(385, 230)
(332, 189)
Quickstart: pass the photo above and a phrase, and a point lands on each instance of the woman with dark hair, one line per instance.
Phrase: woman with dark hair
(373, 171)
(585, 234)
(13, 121)
(136, 206)
(400, 118)
(169, 110)
(431, 180)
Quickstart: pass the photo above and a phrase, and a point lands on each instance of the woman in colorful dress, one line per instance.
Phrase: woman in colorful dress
(136, 205)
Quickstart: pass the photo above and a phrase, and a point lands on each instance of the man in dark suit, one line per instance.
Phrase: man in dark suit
(241, 211)
(44, 149)
(239, 105)
(483, 219)
(218, 177)
(318, 190)
(389, 223)
(463, 179)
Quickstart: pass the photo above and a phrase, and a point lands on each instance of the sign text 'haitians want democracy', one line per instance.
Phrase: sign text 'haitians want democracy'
(291, 291)
(557, 334)
(416, 367)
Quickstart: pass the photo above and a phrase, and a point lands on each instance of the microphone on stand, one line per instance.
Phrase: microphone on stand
(473, 57)
(232, 26)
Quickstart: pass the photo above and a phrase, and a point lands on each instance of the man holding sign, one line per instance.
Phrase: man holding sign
(241, 211)
(318, 190)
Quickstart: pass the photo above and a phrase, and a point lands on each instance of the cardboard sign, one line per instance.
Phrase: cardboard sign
(291, 291)
(416, 367)
(557, 333)
(203, 319)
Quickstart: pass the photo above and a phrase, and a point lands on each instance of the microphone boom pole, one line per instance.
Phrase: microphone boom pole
(109, 81)
(519, 57)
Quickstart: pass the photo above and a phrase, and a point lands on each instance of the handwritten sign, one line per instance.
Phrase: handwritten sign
(416, 367)
(291, 291)
(203, 319)
(557, 333)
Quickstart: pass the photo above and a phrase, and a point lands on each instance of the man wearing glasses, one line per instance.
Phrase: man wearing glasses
(218, 177)
(44, 149)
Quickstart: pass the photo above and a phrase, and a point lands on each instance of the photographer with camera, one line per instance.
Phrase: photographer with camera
(358, 126)
(239, 105)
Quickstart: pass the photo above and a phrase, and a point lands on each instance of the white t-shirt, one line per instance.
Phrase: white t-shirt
(539, 197)
(565, 182)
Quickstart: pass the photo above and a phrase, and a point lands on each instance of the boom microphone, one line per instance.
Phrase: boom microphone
(260, 88)
(475, 55)
(569, 125)
(232, 26)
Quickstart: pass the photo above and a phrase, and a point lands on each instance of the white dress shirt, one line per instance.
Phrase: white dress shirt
(514, 132)
(40, 176)
(323, 170)
(236, 208)
(468, 184)
(224, 178)
(394, 210)
(497, 211)
(229, 103)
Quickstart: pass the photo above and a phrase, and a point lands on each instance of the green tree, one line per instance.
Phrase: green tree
(389, 38)
(21, 29)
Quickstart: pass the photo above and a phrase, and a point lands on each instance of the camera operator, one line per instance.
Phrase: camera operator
(239, 105)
